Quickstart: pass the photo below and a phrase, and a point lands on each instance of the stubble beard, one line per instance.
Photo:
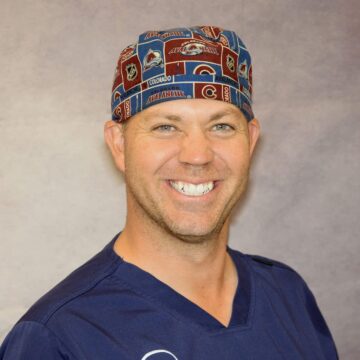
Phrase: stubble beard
(149, 212)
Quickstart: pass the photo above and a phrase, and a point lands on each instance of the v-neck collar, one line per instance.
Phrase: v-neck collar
(168, 299)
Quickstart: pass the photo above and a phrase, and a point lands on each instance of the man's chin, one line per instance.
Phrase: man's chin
(194, 238)
(195, 234)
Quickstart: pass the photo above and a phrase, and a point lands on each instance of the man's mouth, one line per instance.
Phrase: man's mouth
(190, 189)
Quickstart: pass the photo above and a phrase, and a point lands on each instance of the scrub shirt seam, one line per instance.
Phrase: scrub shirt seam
(81, 292)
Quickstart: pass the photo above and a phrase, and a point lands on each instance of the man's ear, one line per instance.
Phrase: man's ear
(254, 132)
(114, 138)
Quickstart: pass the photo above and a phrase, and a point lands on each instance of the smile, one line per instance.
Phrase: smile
(192, 189)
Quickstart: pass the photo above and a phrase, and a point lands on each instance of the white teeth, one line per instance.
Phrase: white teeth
(192, 189)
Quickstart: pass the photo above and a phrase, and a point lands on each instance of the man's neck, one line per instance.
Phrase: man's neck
(202, 272)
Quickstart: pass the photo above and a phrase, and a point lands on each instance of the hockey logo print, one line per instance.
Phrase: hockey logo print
(194, 50)
(230, 63)
(151, 59)
(131, 72)
(203, 62)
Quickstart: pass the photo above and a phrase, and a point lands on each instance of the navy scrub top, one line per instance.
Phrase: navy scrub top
(109, 309)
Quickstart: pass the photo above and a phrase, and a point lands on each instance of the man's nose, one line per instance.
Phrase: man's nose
(196, 149)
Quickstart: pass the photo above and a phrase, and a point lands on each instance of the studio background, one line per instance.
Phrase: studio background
(62, 199)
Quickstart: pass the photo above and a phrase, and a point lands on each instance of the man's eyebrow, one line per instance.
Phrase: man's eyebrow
(172, 117)
(166, 116)
(221, 114)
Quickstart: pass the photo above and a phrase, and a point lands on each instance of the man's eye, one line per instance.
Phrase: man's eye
(165, 128)
(223, 127)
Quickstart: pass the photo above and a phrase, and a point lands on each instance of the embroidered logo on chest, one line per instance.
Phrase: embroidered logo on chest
(159, 355)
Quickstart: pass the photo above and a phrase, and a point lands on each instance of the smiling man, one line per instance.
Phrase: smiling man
(168, 286)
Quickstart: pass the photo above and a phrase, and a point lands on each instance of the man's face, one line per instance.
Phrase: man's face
(186, 164)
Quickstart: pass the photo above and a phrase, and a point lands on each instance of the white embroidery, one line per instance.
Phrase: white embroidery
(147, 355)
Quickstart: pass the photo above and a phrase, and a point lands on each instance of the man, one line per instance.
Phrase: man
(168, 286)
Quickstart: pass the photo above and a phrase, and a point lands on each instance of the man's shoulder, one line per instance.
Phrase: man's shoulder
(272, 271)
(78, 283)
(261, 261)
(277, 280)
(268, 263)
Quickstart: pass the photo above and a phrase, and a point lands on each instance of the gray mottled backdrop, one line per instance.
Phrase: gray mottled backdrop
(62, 200)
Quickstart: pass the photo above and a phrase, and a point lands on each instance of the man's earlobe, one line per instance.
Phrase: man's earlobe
(114, 138)
(254, 132)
